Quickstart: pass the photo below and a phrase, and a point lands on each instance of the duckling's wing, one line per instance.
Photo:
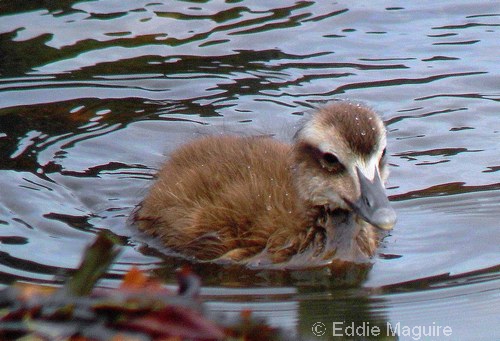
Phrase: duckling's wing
(223, 195)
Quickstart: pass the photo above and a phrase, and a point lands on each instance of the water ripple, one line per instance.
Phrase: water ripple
(94, 95)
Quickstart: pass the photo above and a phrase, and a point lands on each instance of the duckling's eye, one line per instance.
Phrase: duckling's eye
(330, 159)
(331, 162)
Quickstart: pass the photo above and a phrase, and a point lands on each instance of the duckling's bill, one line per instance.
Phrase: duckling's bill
(373, 205)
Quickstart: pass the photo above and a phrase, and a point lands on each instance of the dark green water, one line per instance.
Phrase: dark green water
(95, 94)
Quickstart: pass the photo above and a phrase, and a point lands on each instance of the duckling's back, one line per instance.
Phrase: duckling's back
(224, 197)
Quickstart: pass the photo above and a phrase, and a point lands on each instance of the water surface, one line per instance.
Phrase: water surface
(95, 94)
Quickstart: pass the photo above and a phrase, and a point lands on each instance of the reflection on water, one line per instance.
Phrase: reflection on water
(94, 94)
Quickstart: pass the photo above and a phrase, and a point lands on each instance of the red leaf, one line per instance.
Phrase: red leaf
(176, 321)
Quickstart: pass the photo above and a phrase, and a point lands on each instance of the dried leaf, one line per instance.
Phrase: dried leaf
(176, 321)
(135, 279)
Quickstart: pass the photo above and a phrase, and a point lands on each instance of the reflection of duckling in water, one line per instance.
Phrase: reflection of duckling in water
(258, 201)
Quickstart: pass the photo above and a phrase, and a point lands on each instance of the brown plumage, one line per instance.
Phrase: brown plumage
(258, 201)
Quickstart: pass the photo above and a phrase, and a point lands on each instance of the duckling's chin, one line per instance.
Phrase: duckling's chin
(334, 201)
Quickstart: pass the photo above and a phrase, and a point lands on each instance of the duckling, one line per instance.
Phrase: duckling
(261, 202)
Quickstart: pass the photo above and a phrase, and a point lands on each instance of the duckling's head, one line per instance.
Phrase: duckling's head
(341, 164)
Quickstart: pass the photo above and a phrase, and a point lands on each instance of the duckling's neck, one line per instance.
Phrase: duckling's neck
(340, 235)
